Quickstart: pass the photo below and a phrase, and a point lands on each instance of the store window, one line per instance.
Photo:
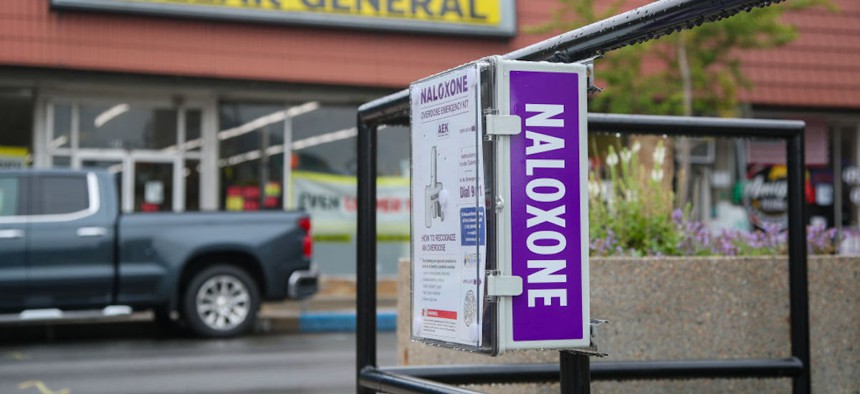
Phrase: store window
(122, 126)
(16, 128)
(193, 128)
(153, 148)
(62, 127)
(324, 140)
(393, 155)
(153, 186)
(191, 175)
(251, 161)
(845, 137)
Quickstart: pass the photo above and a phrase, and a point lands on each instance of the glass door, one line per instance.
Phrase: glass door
(155, 147)
(153, 186)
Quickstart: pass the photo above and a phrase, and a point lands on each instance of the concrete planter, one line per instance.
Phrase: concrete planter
(696, 308)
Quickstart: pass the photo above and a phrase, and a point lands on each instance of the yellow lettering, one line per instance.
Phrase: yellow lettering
(479, 12)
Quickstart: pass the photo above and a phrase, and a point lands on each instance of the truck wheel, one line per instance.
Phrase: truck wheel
(221, 301)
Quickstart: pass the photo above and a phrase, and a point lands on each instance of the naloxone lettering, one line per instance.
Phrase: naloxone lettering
(445, 89)
(545, 206)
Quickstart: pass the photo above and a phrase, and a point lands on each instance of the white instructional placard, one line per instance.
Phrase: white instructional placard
(448, 208)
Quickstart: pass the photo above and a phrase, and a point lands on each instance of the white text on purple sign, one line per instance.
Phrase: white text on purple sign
(546, 190)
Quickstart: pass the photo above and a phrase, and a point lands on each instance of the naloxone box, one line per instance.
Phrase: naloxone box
(499, 209)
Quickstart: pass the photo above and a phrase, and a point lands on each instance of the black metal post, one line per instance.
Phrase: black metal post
(575, 372)
(365, 308)
(797, 264)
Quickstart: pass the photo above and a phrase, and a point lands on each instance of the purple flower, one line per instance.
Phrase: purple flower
(677, 216)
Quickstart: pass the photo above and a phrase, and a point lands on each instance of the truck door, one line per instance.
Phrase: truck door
(71, 260)
(13, 241)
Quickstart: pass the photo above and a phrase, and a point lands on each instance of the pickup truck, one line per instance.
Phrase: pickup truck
(66, 250)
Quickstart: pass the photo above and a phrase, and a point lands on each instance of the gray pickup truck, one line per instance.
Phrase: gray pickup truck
(65, 250)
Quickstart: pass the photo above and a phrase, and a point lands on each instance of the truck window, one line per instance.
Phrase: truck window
(59, 194)
(9, 190)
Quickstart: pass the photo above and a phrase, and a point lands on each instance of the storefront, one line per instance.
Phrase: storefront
(250, 105)
(211, 145)
(179, 151)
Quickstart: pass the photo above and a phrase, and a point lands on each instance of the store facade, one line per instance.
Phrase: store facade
(235, 106)
(177, 150)
(213, 106)
(250, 105)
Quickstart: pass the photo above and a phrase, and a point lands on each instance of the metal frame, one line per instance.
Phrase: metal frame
(633, 27)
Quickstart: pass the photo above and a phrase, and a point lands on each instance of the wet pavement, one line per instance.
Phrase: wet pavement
(153, 363)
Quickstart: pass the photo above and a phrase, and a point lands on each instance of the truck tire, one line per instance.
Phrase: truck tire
(220, 301)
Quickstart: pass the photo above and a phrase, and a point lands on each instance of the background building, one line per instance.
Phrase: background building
(193, 106)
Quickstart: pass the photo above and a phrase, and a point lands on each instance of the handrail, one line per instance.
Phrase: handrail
(606, 370)
(636, 26)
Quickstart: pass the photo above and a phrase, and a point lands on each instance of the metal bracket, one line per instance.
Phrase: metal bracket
(589, 72)
(592, 350)
(504, 286)
(504, 125)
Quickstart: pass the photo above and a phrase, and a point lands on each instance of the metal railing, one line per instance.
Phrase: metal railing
(639, 25)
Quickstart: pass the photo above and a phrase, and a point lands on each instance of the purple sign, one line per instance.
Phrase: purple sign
(545, 207)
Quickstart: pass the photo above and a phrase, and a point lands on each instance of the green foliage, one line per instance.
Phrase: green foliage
(633, 214)
(702, 67)
(647, 78)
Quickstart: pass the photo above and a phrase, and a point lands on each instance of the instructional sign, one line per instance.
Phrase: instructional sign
(448, 209)
(479, 17)
(544, 182)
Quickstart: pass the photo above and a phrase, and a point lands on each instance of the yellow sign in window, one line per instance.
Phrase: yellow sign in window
(13, 157)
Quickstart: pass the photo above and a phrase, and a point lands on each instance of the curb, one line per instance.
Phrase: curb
(318, 322)
(141, 325)
(321, 322)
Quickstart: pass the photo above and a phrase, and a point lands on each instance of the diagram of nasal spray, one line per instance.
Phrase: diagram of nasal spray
(433, 194)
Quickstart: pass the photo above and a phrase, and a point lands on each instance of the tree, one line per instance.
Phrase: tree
(693, 72)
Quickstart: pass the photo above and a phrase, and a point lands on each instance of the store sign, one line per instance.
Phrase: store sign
(476, 17)
(766, 196)
(331, 201)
